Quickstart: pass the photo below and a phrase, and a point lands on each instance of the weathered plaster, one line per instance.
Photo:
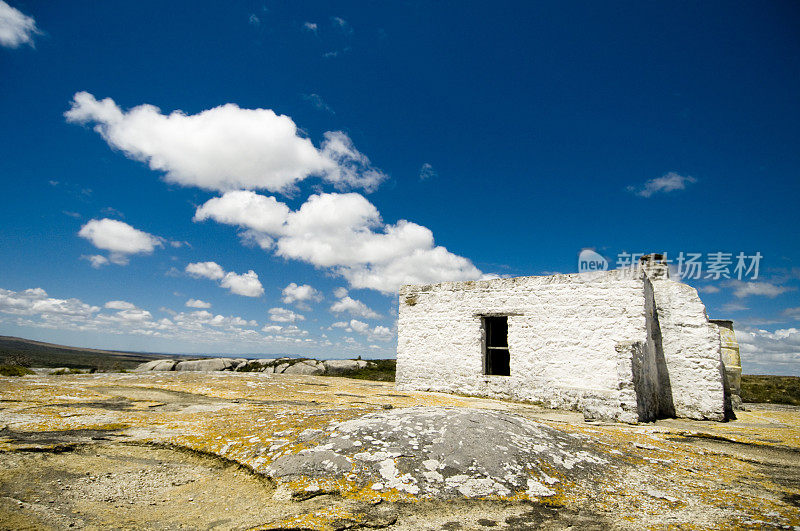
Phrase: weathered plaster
(617, 345)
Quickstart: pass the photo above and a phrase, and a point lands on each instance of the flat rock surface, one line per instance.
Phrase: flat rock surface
(445, 452)
(233, 450)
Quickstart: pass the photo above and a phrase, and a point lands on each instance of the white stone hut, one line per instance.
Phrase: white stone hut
(625, 345)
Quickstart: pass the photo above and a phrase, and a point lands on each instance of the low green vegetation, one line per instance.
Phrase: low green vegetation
(771, 389)
(14, 370)
(71, 370)
(379, 370)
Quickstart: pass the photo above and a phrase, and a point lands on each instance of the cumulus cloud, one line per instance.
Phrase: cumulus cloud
(766, 289)
(225, 148)
(209, 270)
(765, 352)
(284, 315)
(345, 232)
(353, 307)
(669, 182)
(258, 212)
(16, 28)
(119, 305)
(245, 284)
(310, 26)
(36, 301)
(378, 333)
(359, 326)
(119, 238)
(294, 293)
(197, 303)
(35, 308)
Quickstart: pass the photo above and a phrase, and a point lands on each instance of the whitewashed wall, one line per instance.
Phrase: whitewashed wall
(611, 344)
(563, 331)
(692, 352)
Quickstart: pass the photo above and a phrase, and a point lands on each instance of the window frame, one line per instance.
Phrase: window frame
(487, 349)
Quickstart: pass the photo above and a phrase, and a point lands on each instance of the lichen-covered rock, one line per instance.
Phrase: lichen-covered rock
(212, 364)
(156, 365)
(439, 452)
(340, 366)
(305, 367)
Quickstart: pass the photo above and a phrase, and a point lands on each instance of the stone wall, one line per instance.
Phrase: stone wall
(563, 333)
(630, 346)
(691, 352)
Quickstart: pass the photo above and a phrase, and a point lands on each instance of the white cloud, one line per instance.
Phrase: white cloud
(342, 24)
(119, 305)
(426, 172)
(793, 313)
(706, 289)
(381, 333)
(34, 308)
(16, 28)
(734, 307)
(303, 293)
(766, 289)
(353, 307)
(197, 303)
(291, 330)
(119, 238)
(245, 284)
(345, 232)
(225, 148)
(284, 315)
(97, 260)
(254, 20)
(359, 326)
(664, 184)
(35, 301)
(352, 168)
(765, 352)
(340, 293)
(258, 212)
(209, 270)
(310, 26)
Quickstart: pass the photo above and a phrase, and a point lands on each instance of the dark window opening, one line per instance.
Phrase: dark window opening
(497, 360)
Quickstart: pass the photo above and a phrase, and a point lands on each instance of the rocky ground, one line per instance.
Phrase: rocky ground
(255, 450)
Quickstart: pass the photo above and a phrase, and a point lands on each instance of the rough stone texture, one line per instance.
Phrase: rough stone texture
(339, 366)
(562, 334)
(211, 364)
(691, 352)
(615, 345)
(157, 365)
(266, 365)
(305, 367)
(731, 359)
(188, 450)
(438, 452)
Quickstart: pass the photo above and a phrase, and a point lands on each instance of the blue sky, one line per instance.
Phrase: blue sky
(259, 177)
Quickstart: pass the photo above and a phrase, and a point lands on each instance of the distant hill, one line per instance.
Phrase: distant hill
(40, 354)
